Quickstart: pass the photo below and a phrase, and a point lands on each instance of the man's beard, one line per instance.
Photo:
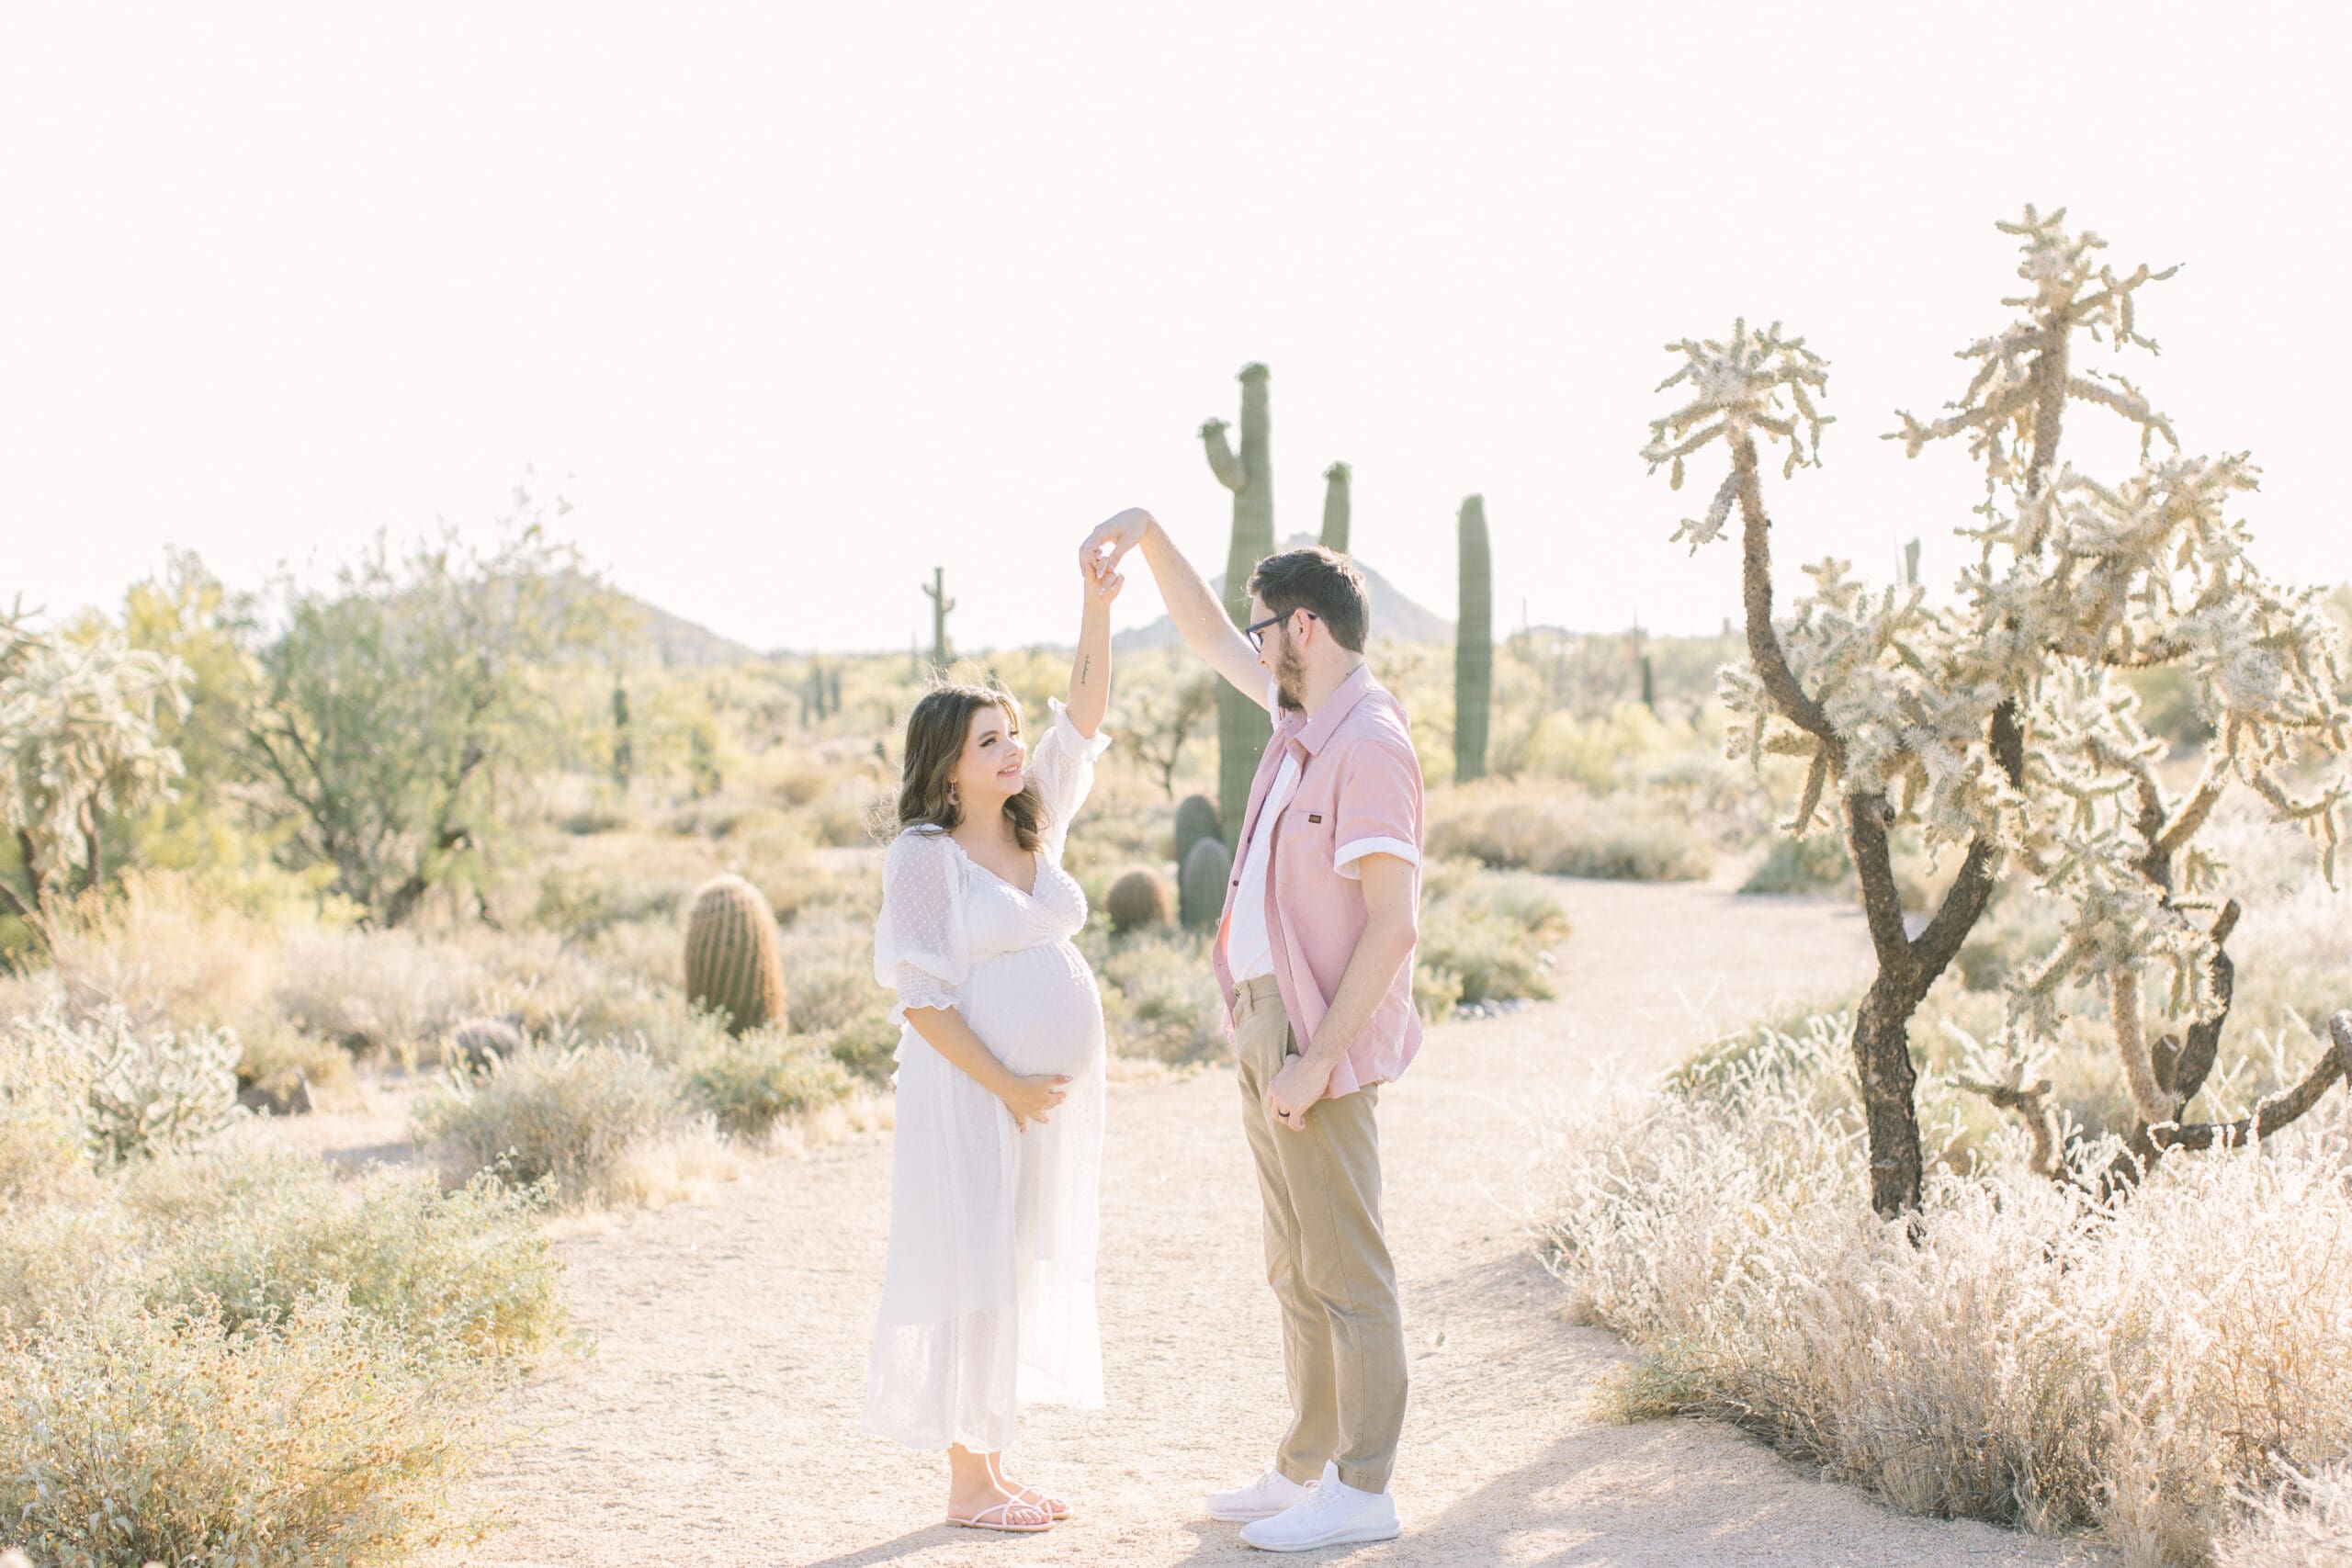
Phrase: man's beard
(1290, 678)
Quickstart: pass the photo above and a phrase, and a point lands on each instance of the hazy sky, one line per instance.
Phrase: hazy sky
(808, 299)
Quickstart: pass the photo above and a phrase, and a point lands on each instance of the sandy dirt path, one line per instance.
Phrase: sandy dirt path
(716, 1421)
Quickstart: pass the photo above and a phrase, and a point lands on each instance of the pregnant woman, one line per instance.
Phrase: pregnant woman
(988, 1300)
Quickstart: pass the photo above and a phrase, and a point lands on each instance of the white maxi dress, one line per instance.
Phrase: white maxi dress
(988, 1300)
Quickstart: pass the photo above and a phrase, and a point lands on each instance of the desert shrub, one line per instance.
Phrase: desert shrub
(578, 1117)
(1602, 753)
(1567, 832)
(376, 991)
(2018, 1354)
(163, 948)
(831, 959)
(1159, 995)
(1485, 936)
(44, 1113)
(64, 1260)
(274, 1059)
(753, 1081)
(259, 1229)
(1810, 864)
(127, 1436)
(580, 902)
(2012, 939)
(555, 989)
(1437, 991)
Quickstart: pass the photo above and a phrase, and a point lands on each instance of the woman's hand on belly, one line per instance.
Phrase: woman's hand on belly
(1030, 1097)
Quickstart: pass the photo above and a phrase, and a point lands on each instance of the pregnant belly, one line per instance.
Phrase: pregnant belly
(1038, 1010)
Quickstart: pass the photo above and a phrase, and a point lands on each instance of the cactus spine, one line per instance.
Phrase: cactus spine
(1336, 507)
(734, 962)
(1243, 728)
(1195, 820)
(940, 604)
(1474, 645)
(1201, 892)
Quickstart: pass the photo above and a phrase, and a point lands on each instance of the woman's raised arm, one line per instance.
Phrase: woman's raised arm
(1090, 671)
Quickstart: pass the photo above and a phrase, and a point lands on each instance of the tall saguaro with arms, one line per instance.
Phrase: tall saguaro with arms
(1242, 726)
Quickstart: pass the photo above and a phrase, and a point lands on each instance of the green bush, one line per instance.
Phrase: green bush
(1626, 838)
(1810, 864)
(1484, 936)
(260, 1229)
(1159, 995)
(755, 1080)
(557, 1114)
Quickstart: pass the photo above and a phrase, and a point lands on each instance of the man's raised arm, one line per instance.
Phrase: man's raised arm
(1200, 620)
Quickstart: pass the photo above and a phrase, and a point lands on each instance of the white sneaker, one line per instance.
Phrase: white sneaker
(1331, 1514)
(1261, 1499)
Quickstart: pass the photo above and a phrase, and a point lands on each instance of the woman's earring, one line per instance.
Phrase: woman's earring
(951, 798)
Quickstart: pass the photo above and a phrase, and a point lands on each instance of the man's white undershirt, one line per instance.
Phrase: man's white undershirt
(1248, 950)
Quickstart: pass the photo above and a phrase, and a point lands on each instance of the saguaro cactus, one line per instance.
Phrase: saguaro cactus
(1242, 727)
(1474, 645)
(940, 604)
(1336, 507)
(624, 748)
(1201, 893)
(734, 963)
(1195, 820)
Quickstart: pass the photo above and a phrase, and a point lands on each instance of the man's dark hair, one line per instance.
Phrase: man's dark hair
(1312, 578)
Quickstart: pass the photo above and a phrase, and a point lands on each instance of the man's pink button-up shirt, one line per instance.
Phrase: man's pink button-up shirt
(1359, 792)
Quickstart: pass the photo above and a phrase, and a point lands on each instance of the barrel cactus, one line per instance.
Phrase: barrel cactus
(1474, 646)
(1140, 898)
(1195, 820)
(734, 963)
(1206, 871)
(1243, 727)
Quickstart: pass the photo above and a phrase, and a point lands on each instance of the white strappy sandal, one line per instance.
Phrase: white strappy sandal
(1003, 1519)
(1038, 1497)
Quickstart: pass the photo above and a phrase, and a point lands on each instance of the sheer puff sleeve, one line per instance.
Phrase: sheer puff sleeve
(1062, 767)
(920, 950)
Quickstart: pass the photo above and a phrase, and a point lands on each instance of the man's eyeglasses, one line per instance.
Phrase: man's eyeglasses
(1256, 634)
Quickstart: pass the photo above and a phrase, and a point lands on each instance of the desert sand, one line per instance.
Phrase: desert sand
(715, 1421)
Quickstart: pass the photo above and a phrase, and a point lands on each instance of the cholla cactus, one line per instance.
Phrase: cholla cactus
(1995, 722)
(82, 747)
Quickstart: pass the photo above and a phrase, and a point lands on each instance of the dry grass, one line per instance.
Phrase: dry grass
(600, 1124)
(1629, 837)
(2027, 1359)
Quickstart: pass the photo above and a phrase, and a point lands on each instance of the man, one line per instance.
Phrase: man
(1314, 955)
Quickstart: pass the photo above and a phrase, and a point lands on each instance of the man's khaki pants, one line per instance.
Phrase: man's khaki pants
(1343, 1338)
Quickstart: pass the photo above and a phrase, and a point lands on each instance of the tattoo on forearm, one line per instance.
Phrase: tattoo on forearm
(1086, 670)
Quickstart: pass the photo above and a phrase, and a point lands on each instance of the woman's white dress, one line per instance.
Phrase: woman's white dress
(989, 1298)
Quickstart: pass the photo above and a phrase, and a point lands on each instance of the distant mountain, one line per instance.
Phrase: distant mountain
(680, 643)
(1393, 616)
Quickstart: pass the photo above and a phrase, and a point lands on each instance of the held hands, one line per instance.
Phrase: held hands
(1111, 541)
(1029, 1099)
(1101, 589)
(1297, 1086)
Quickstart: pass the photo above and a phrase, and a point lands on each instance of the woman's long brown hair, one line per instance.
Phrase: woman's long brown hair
(936, 731)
